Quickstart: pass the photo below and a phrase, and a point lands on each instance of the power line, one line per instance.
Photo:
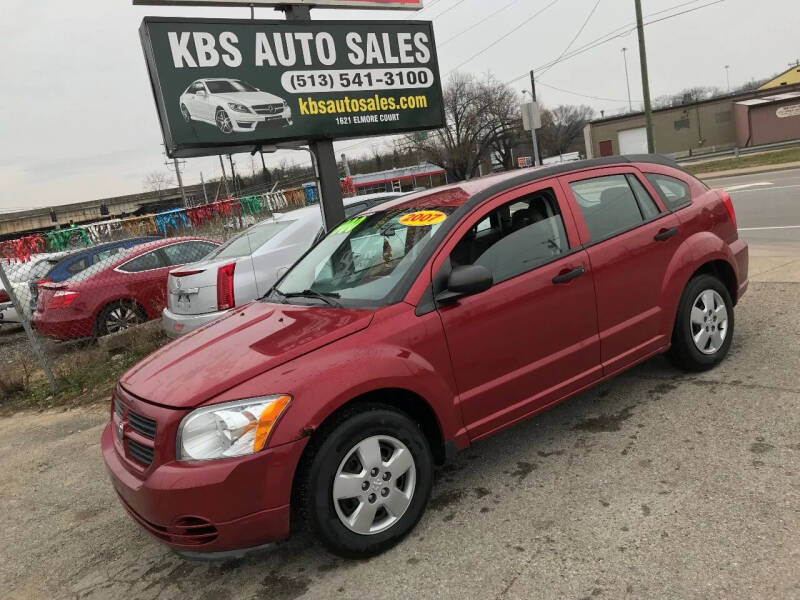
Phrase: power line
(447, 10)
(479, 23)
(547, 85)
(580, 30)
(504, 36)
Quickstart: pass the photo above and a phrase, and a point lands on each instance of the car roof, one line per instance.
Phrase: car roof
(473, 191)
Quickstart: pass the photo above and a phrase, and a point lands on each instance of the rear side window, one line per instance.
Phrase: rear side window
(674, 192)
(145, 262)
(187, 252)
(78, 265)
(609, 205)
(250, 240)
(515, 237)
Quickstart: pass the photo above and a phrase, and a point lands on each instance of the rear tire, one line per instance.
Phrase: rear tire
(364, 486)
(704, 325)
(118, 316)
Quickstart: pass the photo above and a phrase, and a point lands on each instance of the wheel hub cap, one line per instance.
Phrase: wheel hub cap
(709, 322)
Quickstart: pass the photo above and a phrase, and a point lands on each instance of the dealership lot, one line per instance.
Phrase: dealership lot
(655, 484)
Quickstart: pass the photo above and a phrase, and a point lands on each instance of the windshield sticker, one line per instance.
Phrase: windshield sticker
(349, 225)
(422, 218)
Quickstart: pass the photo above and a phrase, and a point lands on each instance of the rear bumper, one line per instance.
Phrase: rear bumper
(741, 255)
(62, 329)
(175, 325)
(188, 505)
(8, 314)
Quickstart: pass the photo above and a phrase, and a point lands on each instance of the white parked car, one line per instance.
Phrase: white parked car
(247, 266)
(232, 105)
(20, 275)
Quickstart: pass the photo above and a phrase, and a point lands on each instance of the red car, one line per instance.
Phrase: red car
(408, 333)
(121, 290)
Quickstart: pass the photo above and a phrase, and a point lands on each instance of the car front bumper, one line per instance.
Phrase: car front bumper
(210, 507)
(249, 121)
(175, 325)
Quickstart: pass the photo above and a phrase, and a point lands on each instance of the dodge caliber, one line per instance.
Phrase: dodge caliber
(409, 332)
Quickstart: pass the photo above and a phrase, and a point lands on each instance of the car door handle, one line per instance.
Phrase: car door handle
(665, 234)
(566, 276)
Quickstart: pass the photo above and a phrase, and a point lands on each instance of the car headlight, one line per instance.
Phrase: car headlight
(230, 429)
(238, 107)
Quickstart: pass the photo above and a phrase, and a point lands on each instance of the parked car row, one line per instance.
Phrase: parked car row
(409, 332)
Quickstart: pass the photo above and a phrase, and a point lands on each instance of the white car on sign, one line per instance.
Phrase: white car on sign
(247, 266)
(232, 105)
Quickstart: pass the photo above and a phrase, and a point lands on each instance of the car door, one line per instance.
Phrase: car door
(532, 337)
(145, 280)
(630, 239)
(202, 102)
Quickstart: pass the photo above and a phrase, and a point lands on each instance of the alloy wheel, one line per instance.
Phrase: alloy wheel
(374, 484)
(224, 121)
(121, 318)
(709, 322)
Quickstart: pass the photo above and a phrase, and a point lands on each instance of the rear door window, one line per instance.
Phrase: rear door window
(674, 192)
(249, 241)
(608, 205)
(145, 262)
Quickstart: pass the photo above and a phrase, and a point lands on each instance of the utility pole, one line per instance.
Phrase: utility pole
(346, 165)
(627, 81)
(263, 167)
(180, 181)
(233, 174)
(536, 160)
(728, 77)
(203, 183)
(224, 177)
(648, 109)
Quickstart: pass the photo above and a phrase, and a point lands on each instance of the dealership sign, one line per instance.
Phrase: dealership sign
(233, 85)
(371, 4)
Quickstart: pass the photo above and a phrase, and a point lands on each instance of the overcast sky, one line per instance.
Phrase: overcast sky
(78, 121)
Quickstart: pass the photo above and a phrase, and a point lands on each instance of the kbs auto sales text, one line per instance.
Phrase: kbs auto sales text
(288, 49)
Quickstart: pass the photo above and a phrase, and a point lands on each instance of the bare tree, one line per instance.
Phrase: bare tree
(157, 181)
(473, 125)
(504, 111)
(562, 127)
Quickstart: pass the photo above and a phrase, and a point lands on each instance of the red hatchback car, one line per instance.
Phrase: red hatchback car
(121, 290)
(411, 331)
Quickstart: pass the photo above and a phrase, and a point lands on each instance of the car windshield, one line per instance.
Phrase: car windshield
(361, 261)
(229, 85)
(252, 239)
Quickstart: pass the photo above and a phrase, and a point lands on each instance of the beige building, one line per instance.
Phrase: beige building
(690, 129)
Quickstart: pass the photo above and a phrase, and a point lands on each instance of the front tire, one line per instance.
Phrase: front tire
(703, 330)
(223, 121)
(364, 486)
(187, 116)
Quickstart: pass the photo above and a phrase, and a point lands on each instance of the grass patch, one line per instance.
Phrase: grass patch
(753, 160)
(86, 376)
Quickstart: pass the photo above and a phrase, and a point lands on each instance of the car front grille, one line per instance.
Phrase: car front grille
(142, 425)
(140, 452)
(268, 109)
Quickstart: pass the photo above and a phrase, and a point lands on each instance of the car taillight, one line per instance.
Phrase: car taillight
(62, 299)
(726, 200)
(225, 299)
(44, 280)
(186, 273)
(4, 297)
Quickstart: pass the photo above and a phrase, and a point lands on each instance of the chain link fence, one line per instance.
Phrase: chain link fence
(62, 291)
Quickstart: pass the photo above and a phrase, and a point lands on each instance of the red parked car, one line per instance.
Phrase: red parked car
(410, 332)
(119, 291)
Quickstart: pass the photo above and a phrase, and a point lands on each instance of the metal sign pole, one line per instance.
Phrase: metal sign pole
(330, 194)
(37, 348)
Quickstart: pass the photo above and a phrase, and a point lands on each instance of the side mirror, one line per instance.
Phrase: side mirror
(465, 281)
(200, 92)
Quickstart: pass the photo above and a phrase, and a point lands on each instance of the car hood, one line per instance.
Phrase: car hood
(250, 98)
(245, 343)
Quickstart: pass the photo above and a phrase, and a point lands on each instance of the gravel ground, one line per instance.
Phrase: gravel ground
(654, 485)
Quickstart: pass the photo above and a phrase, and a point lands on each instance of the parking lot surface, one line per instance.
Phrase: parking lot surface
(657, 484)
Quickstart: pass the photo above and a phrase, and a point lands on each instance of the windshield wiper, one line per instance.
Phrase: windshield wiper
(326, 297)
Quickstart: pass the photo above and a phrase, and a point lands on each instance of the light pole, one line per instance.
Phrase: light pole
(627, 81)
(728, 76)
(648, 111)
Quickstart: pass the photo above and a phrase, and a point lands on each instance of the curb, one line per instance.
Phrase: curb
(748, 171)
